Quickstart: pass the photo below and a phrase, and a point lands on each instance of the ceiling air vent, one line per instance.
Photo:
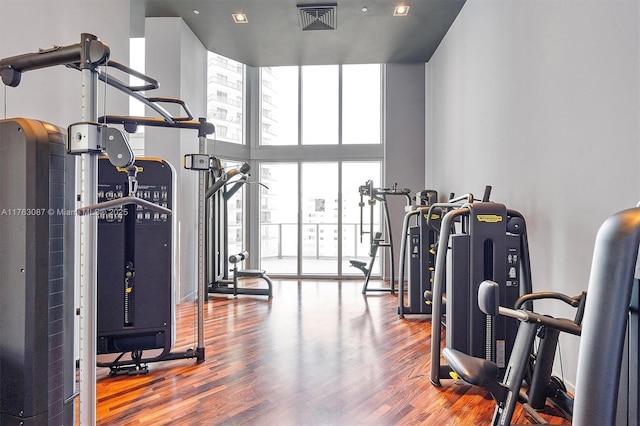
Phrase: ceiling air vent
(317, 16)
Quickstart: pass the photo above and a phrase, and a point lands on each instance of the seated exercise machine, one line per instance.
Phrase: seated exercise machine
(87, 139)
(221, 186)
(491, 244)
(235, 259)
(607, 386)
(419, 240)
(525, 365)
(367, 267)
(376, 239)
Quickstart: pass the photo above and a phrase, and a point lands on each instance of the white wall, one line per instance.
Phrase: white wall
(53, 94)
(404, 132)
(541, 100)
(184, 77)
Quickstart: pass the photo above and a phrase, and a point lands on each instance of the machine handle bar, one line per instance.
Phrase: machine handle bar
(562, 324)
(89, 53)
(572, 301)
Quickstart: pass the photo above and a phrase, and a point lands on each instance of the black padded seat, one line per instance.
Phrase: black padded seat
(477, 371)
(251, 273)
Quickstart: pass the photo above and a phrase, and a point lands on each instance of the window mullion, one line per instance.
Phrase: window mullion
(300, 106)
(340, 105)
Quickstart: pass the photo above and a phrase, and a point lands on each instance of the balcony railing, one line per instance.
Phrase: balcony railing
(316, 244)
(319, 252)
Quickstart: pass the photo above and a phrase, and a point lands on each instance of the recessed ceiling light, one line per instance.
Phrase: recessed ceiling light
(240, 18)
(365, 8)
(196, 12)
(401, 10)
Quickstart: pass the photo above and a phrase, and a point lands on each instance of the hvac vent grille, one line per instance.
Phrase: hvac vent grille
(317, 17)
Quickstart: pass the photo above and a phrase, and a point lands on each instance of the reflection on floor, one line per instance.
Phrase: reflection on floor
(318, 353)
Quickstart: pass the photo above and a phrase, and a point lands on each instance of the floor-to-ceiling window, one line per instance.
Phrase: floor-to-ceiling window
(317, 138)
(321, 105)
(328, 119)
(279, 217)
(320, 216)
(319, 228)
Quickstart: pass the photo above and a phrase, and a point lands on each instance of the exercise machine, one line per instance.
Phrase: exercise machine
(525, 365)
(491, 245)
(136, 268)
(367, 267)
(607, 388)
(37, 368)
(419, 241)
(234, 288)
(217, 245)
(377, 239)
(89, 138)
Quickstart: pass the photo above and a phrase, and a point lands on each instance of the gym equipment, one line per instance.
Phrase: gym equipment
(607, 386)
(376, 239)
(535, 371)
(136, 258)
(221, 186)
(86, 56)
(421, 245)
(37, 366)
(235, 259)
(492, 245)
(89, 138)
(365, 267)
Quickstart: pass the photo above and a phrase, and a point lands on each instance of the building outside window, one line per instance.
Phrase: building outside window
(225, 98)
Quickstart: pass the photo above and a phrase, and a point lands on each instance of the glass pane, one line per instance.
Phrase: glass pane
(136, 108)
(279, 217)
(235, 213)
(320, 105)
(279, 106)
(136, 62)
(361, 104)
(225, 93)
(319, 218)
(356, 239)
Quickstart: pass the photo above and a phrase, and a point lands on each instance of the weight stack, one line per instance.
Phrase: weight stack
(36, 286)
(135, 265)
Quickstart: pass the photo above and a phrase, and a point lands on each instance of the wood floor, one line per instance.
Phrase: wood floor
(318, 353)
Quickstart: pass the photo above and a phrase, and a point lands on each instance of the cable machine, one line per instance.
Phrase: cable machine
(89, 138)
(136, 306)
(419, 241)
(37, 368)
(218, 256)
(607, 388)
(377, 239)
(491, 245)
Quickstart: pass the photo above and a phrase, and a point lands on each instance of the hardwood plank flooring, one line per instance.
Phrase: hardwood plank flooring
(318, 353)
